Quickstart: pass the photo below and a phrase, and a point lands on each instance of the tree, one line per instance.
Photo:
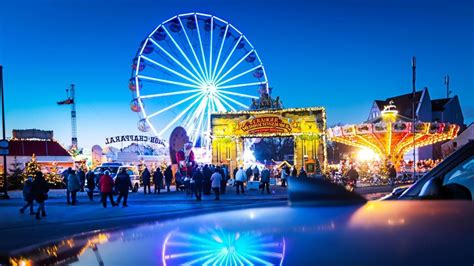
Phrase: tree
(54, 178)
(32, 167)
(16, 176)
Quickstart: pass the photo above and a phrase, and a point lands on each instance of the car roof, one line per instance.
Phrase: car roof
(374, 233)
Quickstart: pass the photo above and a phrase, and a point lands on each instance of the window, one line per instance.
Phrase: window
(463, 174)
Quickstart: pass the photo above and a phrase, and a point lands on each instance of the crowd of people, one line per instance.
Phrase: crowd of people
(196, 181)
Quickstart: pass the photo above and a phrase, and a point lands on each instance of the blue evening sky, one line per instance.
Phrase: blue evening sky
(338, 54)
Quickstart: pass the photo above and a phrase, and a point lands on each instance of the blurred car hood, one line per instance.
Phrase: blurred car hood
(375, 233)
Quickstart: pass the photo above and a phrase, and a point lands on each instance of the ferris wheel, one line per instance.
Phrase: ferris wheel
(190, 66)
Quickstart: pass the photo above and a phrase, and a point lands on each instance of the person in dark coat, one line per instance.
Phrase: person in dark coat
(392, 174)
(198, 178)
(158, 180)
(90, 177)
(265, 180)
(106, 184)
(28, 195)
(82, 178)
(223, 179)
(146, 180)
(207, 173)
(248, 173)
(256, 174)
(65, 175)
(123, 184)
(40, 190)
(303, 173)
(169, 178)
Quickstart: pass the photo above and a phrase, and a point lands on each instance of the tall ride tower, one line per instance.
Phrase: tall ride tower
(71, 101)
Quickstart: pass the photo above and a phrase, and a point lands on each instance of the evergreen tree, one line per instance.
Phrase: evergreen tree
(32, 167)
(54, 178)
(16, 177)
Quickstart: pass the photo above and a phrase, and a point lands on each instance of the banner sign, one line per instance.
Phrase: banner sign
(135, 138)
(265, 124)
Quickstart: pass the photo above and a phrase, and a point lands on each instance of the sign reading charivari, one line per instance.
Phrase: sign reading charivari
(135, 138)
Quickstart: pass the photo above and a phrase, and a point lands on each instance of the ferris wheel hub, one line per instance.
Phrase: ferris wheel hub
(209, 88)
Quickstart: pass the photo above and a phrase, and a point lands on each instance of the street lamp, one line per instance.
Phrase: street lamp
(4, 151)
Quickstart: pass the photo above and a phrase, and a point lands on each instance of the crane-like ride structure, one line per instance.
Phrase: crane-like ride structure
(70, 100)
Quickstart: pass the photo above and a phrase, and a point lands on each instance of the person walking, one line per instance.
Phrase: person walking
(216, 179)
(40, 190)
(90, 177)
(392, 174)
(82, 178)
(73, 185)
(240, 177)
(168, 178)
(206, 171)
(158, 180)
(106, 184)
(65, 175)
(123, 184)
(222, 171)
(265, 180)
(249, 173)
(303, 173)
(294, 173)
(146, 180)
(256, 174)
(28, 195)
(198, 178)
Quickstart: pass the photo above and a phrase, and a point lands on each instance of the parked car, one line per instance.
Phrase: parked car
(451, 179)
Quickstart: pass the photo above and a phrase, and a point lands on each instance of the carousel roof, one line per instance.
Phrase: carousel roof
(403, 103)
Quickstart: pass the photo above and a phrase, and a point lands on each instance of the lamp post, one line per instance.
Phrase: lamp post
(5, 179)
(413, 66)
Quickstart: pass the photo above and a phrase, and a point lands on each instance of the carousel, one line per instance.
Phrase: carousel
(392, 135)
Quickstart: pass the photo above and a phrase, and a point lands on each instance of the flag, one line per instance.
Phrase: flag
(67, 101)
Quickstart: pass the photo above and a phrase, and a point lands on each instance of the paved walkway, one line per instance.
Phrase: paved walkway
(23, 230)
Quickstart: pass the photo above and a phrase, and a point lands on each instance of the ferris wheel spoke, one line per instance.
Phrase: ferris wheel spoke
(190, 45)
(238, 76)
(168, 94)
(210, 48)
(226, 103)
(228, 57)
(168, 81)
(192, 114)
(234, 101)
(238, 94)
(220, 51)
(182, 53)
(173, 105)
(234, 66)
(180, 115)
(170, 70)
(200, 44)
(175, 60)
(219, 105)
(200, 123)
(195, 114)
(242, 85)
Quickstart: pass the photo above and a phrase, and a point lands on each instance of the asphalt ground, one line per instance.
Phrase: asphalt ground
(22, 231)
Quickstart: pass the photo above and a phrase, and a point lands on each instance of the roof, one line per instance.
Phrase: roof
(38, 147)
(437, 105)
(402, 102)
